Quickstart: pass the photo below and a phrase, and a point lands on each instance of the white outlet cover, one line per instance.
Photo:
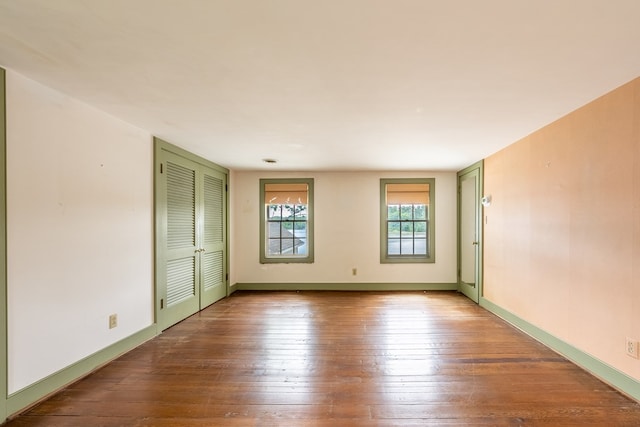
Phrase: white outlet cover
(631, 347)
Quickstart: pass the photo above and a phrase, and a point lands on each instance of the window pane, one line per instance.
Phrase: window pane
(407, 230)
(406, 247)
(300, 247)
(287, 229)
(393, 212)
(419, 212)
(301, 212)
(273, 212)
(273, 247)
(287, 246)
(393, 246)
(406, 212)
(420, 246)
(300, 229)
(273, 229)
(420, 228)
(287, 212)
(393, 229)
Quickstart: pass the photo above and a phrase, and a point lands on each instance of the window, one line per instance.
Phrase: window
(286, 220)
(407, 221)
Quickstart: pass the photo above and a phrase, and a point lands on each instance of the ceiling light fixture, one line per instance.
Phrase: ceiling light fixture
(270, 161)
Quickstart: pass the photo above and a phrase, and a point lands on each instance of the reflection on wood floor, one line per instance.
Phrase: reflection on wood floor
(339, 359)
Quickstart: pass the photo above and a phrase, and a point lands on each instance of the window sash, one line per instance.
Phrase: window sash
(286, 235)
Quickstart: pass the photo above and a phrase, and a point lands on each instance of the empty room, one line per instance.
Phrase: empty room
(337, 213)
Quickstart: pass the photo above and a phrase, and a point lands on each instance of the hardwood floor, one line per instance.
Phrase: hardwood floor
(338, 359)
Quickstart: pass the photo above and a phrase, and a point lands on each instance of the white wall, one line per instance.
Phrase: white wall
(79, 225)
(347, 231)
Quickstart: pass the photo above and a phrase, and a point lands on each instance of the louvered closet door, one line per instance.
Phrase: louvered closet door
(182, 262)
(213, 257)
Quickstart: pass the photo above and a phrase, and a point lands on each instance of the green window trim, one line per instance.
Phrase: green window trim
(300, 219)
(424, 221)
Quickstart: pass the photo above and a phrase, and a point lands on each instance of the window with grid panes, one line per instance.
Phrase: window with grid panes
(407, 220)
(286, 227)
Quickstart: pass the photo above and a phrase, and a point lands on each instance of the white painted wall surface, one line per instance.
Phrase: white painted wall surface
(347, 231)
(79, 219)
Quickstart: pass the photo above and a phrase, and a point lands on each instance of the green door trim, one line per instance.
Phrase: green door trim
(3, 251)
(160, 146)
(476, 168)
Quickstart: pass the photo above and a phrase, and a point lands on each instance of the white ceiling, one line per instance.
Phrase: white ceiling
(328, 84)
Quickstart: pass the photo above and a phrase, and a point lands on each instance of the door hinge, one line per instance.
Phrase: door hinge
(161, 303)
(227, 276)
(161, 168)
(226, 187)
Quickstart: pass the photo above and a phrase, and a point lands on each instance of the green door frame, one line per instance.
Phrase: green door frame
(478, 170)
(4, 387)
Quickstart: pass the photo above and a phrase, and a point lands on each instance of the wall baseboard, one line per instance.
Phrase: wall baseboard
(23, 399)
(610, 375)
(345, 287)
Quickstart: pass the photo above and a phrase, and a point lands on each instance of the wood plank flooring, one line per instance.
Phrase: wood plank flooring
(338, 359)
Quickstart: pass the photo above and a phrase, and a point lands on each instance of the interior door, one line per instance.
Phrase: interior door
(191, 234)
(470, 231)
(214, 238)
(178, 269)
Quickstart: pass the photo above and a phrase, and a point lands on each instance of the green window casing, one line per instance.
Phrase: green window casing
(407, 220)
(286, 220)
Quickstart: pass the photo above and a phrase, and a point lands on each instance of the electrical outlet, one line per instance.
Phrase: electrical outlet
(632, 347)
(113, 321)
(354, 271)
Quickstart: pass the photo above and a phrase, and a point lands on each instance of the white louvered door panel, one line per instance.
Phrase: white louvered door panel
(213, 266)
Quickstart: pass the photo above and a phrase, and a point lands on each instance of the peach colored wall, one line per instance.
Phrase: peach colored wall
(562, 235)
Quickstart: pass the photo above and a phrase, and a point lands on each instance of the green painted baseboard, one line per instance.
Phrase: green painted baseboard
(26, 397)
(607, 373)
(344, 287)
